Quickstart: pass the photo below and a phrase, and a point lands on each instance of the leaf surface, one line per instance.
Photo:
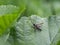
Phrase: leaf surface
(8, 15)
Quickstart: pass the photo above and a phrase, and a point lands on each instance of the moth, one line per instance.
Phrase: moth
(38, 26)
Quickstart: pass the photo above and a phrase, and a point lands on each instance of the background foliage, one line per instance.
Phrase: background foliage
(17, 18)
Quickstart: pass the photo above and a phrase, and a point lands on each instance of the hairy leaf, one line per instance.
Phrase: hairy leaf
(8, 15)
(24, 33)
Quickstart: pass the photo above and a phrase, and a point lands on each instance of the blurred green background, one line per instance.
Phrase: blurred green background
(43, 8)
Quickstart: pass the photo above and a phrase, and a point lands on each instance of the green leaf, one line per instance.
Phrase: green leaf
(8, 15)
(56, 39)
(28, 35)
(24, 33)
